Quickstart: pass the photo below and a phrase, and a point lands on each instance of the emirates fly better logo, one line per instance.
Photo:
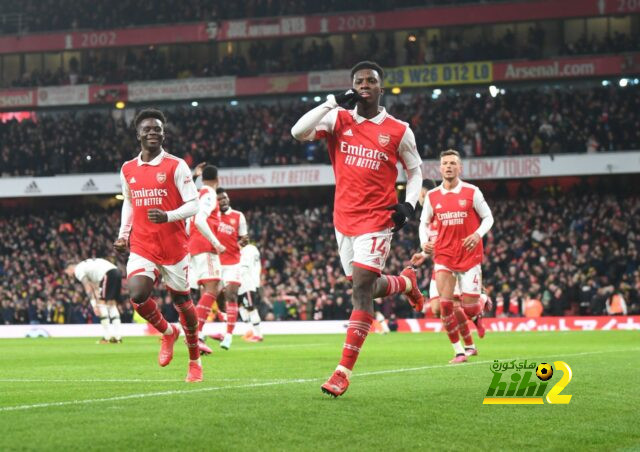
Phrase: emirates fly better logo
(525, 383)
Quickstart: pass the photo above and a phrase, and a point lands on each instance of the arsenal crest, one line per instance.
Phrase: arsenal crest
(232, 221)
(384, 139)
(161, 177)
(462, 202)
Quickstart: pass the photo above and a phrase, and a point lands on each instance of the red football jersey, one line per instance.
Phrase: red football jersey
(165, 183)
(364, 153)
(456, 212)
(232, 226)
(198, 243)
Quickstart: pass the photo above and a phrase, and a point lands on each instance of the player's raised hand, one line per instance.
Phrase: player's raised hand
(157, 216)
(197, 172)
(348, 99)
(418, 259)
(120, 245)
(402, 212)
(470, 242)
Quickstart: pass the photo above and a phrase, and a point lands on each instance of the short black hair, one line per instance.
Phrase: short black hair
(367, 65)
(210, 172)
(428, 183)
(149, 113)
(220, 190)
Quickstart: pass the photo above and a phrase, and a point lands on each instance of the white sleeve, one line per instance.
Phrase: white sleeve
(184, 182)
(408, 151)
(425, 221)
(80, 272)
(242, 227)
(321, 118)
(186, 210)
(481, 206)
(414, 185)
(126, 216)
(206, 205)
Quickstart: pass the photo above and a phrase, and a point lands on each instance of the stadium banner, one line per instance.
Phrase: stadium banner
(329, 80)
(102, 94)
(50, 96)
(541, 166)
(322, 175)
(561, 68)
(109, 184)
(497, 325)
(122, 37)
(439, 74)
(271, 84)
(17, 98)
(188, 88)
(508, 324)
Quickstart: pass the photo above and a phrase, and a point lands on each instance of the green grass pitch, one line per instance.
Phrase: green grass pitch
(72, 394)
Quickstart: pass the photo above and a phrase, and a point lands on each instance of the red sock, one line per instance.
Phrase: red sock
(189, 321)
(395, 284)
(150, 312)
(449, 320)
(232, 316)
(472, 310)
(359, 326)
(204, 308)
(463, 326)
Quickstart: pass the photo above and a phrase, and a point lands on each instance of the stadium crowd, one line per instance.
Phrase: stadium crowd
(273, 57)
(538, 121)
(47, 15)
(572, 252)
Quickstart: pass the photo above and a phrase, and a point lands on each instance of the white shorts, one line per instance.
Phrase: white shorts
(433, 289)
(368, 251)
(204, 267)
(231, 274)
(469, 283)
(175, 276)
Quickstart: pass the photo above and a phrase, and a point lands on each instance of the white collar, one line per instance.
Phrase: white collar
(155, 162)
(377, 119)
(455, 189)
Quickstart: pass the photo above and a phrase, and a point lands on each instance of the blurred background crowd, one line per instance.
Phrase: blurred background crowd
(570, 252)
(518, 122)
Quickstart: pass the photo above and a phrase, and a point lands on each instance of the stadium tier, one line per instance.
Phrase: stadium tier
(572, 249)
(558, 120)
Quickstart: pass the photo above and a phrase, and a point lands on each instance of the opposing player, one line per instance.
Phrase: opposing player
(232, 233)
(460, 217)
(102, 281)
(249, 298)
(365, 143)
(205, 248)
(159, 194)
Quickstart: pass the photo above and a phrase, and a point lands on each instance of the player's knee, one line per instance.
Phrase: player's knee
(139, 295)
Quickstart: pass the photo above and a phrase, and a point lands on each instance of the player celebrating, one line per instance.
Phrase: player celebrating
(461, 216)
(159, 194)
(365, 144)
(248, 292)
(204, 248)
(100, 273)
(232, 233)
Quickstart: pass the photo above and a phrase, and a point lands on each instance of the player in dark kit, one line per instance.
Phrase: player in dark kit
(365, 143)
(159, 194)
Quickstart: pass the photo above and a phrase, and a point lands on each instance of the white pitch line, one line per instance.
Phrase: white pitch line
(277, 382)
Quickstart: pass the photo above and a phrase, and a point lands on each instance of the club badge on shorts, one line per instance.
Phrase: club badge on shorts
(161, 177)
(384, 139)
